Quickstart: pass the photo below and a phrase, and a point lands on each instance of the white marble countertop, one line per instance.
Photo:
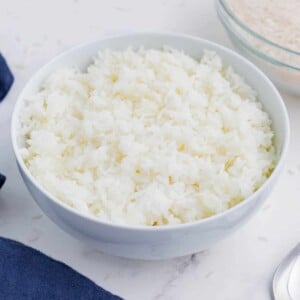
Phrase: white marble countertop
(240, 267)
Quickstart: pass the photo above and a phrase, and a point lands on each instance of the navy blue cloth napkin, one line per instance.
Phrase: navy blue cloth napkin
(6, 81)
(2, 180)
(27, 274)
(6, 78)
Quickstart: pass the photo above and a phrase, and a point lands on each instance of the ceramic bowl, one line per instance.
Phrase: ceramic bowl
(159, 242)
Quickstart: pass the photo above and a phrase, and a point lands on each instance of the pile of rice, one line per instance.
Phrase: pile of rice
(148, 137)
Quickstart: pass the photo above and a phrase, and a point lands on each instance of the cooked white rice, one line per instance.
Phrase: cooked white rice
(148, 137)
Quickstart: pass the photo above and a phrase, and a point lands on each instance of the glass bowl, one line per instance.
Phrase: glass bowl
(281, 64)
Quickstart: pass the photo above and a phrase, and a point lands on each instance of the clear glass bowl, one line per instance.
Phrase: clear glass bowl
(281, 64)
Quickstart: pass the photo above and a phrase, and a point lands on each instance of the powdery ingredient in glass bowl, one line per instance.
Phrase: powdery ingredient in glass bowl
(277, 21)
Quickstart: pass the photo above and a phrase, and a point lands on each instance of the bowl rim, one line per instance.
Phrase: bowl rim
(238, 21)
(161, 228)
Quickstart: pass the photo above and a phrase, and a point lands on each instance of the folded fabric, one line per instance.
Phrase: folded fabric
(6, 78)
(2, 180)
(28, 274)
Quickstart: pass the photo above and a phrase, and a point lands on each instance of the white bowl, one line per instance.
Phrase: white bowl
(163, 241)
